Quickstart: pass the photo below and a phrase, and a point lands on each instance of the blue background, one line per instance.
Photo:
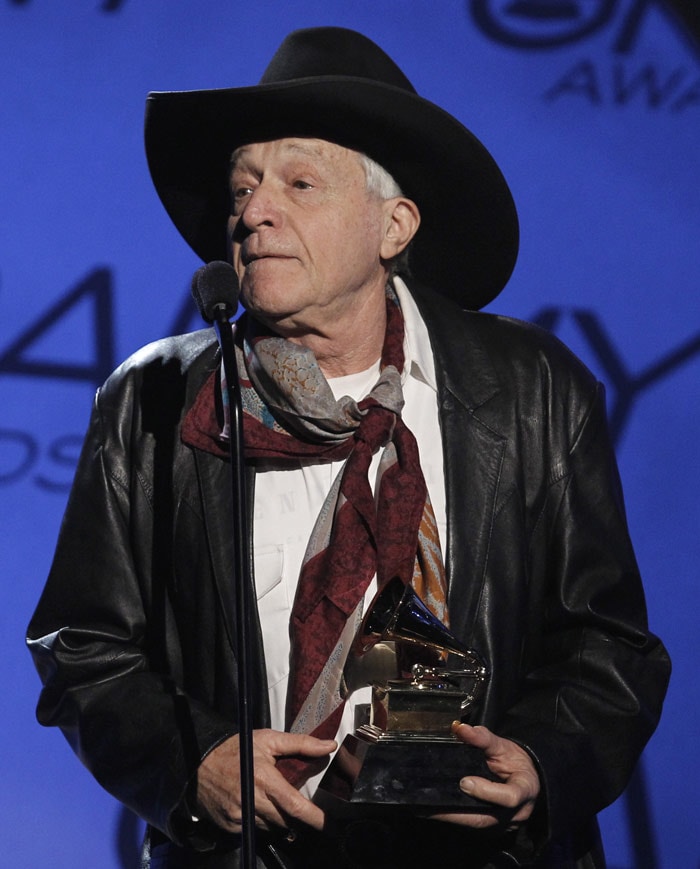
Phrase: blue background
(592, 110)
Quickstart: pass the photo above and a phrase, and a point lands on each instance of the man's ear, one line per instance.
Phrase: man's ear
(401, 224)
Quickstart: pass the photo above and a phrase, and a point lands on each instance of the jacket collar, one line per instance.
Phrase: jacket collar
(459, 351)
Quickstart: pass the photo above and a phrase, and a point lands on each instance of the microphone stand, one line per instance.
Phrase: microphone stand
(243, 587)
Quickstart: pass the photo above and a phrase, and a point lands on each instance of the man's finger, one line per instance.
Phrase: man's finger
(468, 819)
(280, 744)
(291, 804)
(479, 736)
(510, 795)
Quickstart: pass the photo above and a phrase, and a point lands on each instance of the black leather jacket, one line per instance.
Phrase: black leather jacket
(134, 634)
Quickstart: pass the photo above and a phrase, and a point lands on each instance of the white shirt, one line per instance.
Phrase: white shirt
(287, 502)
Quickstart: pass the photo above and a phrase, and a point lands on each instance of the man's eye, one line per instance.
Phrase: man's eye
(242, 192)
(302, 185)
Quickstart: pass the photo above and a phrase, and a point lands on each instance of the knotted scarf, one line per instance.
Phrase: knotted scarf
(290, 413)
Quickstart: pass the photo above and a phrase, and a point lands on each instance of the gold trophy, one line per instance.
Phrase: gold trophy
(406, 755)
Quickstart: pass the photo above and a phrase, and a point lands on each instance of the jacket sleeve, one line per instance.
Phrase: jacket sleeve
(109, 682)
(543, 578)
(592, 676)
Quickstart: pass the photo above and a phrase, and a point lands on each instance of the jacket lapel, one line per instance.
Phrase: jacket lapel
(473, 453)
(217, 504)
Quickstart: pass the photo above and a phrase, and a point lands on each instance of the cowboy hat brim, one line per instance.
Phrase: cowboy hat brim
(468, 239)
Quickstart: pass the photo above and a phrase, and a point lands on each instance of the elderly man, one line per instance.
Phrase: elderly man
(385, 423)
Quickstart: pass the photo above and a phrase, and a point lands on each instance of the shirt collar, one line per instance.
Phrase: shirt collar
(418, 354)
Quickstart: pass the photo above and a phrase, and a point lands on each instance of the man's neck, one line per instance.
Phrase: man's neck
(336, 361)
(351, 345)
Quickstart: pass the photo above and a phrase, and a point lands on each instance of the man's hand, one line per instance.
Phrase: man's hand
(276, 801)
(517, 791)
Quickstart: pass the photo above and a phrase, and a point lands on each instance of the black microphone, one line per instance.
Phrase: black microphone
(215, 289)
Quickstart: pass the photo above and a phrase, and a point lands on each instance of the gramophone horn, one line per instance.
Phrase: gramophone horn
(397, 613)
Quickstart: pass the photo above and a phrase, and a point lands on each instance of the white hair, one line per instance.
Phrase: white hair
(379, 182)
(383, 185)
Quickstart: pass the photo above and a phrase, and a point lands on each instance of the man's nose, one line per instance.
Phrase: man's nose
(261, 208)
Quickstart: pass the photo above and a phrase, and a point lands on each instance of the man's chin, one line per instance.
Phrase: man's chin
(281, 321)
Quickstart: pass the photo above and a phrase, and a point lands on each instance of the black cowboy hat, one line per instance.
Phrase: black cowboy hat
(336, 84)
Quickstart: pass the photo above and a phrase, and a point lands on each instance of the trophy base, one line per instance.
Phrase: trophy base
(389, 774)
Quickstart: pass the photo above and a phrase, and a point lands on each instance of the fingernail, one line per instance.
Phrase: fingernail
(467, 785)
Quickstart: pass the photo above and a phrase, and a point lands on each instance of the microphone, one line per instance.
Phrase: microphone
(215, 289)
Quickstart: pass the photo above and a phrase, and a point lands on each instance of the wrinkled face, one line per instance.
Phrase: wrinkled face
(305, 235)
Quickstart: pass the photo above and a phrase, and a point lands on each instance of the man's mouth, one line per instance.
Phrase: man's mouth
(247, 259)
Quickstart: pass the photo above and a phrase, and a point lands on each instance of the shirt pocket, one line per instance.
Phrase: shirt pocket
(269, 569)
